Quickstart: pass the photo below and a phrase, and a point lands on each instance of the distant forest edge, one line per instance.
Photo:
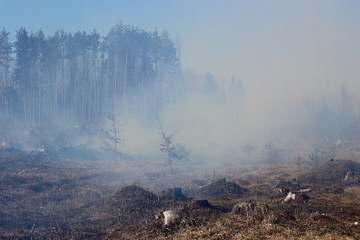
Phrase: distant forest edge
(80, 76)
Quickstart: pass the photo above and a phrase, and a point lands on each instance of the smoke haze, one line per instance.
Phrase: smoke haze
(296, 60)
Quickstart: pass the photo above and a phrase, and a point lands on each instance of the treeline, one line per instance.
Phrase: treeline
(81, 76)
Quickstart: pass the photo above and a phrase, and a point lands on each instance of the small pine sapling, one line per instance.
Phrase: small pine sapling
(172, 151)
(112, 134)
(168, 147)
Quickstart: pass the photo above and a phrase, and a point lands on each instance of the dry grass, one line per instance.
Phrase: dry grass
(61, 201)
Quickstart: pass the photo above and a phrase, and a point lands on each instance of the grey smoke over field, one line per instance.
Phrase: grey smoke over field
(215, 124)
(297, 62)
(284, 52)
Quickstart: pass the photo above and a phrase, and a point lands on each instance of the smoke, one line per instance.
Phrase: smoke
(206, 120)
(297, 62)
(289, 55)
(215, 120)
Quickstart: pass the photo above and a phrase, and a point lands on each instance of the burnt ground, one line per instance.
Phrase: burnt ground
(44, 196)
(332, 172)
(220, 190)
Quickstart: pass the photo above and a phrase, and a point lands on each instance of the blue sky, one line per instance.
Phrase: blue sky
(192, 23)
(73, 15)
(287, 46)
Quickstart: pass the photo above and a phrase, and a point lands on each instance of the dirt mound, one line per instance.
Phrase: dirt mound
(134, 193)
(127, 206)
(330, 172)
(133, 200)
(133, 203)
(199, 204)
(173, 194)
(220, 190)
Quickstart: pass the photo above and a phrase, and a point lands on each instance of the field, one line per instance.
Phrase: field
(47, 195)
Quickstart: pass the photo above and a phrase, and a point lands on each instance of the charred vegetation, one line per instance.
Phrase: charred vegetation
(42, 198)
